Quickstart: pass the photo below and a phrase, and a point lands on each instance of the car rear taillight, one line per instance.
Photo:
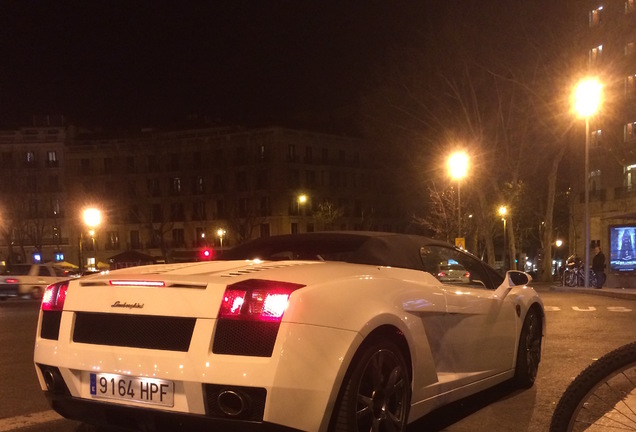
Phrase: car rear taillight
(11, 280)
(467, 274)
(257, 300)
(441, 274)
(54, 296)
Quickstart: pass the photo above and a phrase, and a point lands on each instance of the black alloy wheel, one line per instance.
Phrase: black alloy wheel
(529, 353)
(377, 395)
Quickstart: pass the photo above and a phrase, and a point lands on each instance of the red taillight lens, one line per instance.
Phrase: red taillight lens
(54, 296)
(257, 300)
(441, 274)
(11, 280)
(467, 274)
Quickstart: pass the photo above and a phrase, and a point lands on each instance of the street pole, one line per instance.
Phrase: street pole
(505, 251)
(459, 211)
(587, 202)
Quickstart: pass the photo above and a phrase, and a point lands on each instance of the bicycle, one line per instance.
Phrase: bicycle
(602, 397)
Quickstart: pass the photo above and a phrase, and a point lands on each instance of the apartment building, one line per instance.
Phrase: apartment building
(173, 194)
(610, 49)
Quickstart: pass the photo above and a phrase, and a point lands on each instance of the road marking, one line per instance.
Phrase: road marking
(13, 423)
(588, 309)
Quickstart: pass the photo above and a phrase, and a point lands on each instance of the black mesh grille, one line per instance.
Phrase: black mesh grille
(50, 324)
(137, 331)
(248, 338)
(254, 398)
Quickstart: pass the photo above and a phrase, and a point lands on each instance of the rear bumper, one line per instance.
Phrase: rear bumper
(149, 419)
(9, 290)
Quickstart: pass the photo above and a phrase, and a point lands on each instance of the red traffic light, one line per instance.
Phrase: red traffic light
(206, 254)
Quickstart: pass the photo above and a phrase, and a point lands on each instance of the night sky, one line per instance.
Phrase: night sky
(150, 63)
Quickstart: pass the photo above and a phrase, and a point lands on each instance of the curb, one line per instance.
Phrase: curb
(621, 293)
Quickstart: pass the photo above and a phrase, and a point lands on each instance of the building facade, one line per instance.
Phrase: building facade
(610, 49)
(173, 194)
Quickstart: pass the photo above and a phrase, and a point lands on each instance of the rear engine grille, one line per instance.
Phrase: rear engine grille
(248, 338)
(136, 331)
(50, 324)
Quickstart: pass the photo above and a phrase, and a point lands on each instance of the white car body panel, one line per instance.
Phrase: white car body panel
(318, 337)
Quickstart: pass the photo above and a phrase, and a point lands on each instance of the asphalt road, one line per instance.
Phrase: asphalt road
(581, 328)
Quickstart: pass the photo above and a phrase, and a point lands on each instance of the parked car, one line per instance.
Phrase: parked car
(28, 280)
(453, 273)
(335, 331)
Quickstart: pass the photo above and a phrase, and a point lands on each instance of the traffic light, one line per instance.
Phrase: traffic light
(206, 254)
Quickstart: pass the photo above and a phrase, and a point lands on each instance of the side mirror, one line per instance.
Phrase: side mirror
(518, 277)
(513, 278)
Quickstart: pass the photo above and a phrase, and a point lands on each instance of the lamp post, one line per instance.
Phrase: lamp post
(92, 217)
(458, 166)
(302, 199)
(502, 212)
(220, 233)
(587, 98)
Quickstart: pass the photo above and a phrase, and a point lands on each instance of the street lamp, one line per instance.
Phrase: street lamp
(220, 233)
(502, 212)
(302, 199)
(92, 217)
(587, 98)
(458, 166)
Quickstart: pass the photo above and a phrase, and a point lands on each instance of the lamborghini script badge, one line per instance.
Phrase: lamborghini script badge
(125, 305)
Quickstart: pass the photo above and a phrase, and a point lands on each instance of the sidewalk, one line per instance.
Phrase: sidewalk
(624, 293)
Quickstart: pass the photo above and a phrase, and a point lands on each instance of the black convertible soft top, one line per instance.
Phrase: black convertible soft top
(358, 247)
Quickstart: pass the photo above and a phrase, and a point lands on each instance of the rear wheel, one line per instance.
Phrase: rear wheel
(529, 353)
(377, 391)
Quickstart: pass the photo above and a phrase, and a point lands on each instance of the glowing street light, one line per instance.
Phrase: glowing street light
(302, 199)
(91, 217)
(457, 168)
(221, 233)
(502, 212)
(587, 99)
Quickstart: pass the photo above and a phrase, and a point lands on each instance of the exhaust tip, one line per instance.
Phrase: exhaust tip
(232, 403)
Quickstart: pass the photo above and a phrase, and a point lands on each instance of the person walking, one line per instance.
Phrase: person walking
(598, 265)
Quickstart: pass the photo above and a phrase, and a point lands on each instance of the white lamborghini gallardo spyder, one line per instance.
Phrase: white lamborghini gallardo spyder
(334, 331)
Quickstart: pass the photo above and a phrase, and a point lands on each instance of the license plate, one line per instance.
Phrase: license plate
(145, 390)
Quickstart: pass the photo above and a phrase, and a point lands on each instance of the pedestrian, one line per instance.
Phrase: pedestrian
(598, 265)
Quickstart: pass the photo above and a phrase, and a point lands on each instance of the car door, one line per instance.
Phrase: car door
(479, 335)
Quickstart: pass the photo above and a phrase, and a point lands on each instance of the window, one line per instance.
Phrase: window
(596, 17)
(197, 160)
(595, 55)
(630, 177)
(293, 179)
(32, 184)
(630, 131)
(174, 162)
(242, 207)
(7, 160)
(262, 180)
(112, 240)
(241, 181)
(130, 164)
(198, 210)
(265, 207)
(156, 213)
(630, 49)
(200, 237)
(55, 207)
(630, 86)
(153, 187)
(85, 166)
(132, 189)
(265, 230)
(595, 180)
(54, 183)
(108, 165)
(294, 228)
(51, 159)
(134, 240)
(291, 153)
(175, 186)
(178, 239)
(308, 154)
(220, 209)
(29, 158)
(595, 138)
(199, 185)
(452, 267)
(176, 212)
(630, 6)
(153, 163)
(262, 153)
(33, 208)
(325, 155)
